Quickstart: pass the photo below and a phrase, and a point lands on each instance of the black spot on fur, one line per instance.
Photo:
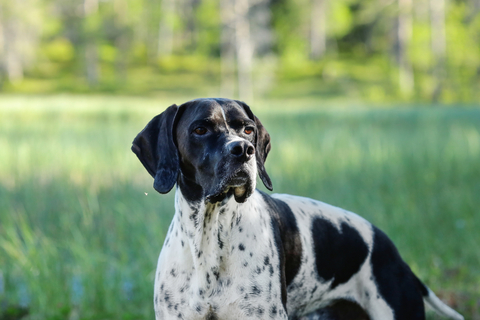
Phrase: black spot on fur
(219, 241)
(396, 282)
(194, 219)
(166, 297)
(260, 311)
(211, 316)
(266, 260)
(241, 247)
(340, 310)
(273, 311)
(287, 241)
(339, 254)
(216, 273)
(271, 270)
(255, 290)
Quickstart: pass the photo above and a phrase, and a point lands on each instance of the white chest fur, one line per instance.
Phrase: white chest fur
(219, 262)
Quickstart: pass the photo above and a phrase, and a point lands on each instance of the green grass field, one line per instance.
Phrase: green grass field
(81, 226)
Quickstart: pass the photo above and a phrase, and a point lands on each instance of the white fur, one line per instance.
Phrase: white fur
(225, 296)
(183, 291)
(307, 277)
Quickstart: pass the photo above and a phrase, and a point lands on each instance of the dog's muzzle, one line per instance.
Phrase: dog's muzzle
(237, 176)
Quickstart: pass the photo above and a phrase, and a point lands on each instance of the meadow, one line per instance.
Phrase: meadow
(81, 226)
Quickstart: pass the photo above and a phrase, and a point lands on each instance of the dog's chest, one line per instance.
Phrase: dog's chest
(230, 270)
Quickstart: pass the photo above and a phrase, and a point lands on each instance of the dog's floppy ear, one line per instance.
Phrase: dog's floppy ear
(156, 150)
(262, 146)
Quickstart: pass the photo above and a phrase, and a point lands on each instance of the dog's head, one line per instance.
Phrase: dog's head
(212, 147)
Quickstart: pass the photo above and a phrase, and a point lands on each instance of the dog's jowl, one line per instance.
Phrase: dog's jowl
(233, 252)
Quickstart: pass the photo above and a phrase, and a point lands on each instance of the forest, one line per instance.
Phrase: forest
(369, 50)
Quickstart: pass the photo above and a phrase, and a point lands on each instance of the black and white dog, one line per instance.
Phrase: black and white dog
(233, 252)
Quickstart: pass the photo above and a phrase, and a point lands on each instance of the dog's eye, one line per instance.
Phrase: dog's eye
(200, 131)
(248, 130)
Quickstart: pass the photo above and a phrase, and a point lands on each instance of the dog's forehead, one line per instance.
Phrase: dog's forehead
(215, 110)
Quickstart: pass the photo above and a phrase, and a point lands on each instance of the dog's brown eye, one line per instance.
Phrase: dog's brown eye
(200, 131)
(248, 130)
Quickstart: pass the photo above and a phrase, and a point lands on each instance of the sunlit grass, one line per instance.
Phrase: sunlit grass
(81, 226)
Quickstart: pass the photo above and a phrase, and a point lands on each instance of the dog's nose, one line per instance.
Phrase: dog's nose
(242, 150)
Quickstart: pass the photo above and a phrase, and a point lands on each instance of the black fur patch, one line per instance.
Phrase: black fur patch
(396, 282)
(339, 254)
(339, 310)
(287, 240)
(289, 234)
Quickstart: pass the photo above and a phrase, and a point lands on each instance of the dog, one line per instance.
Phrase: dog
(234, 252)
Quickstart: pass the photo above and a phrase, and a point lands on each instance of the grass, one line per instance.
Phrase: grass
(81, 226)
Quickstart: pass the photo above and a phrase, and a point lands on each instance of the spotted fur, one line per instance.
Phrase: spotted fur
(233, 252)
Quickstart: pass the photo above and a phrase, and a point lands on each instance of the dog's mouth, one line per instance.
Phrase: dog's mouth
(237, 184)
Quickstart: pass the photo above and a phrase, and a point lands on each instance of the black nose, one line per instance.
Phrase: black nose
(242, 150)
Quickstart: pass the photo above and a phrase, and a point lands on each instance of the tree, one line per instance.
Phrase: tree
(244, 49)
(439, 44)
(19, 36)
(89, 43)
(404, 35)
(227, 48)
(318, 29)
(166, 24)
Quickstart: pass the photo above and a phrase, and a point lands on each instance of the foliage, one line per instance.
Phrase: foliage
(81, 226)
(361, 60)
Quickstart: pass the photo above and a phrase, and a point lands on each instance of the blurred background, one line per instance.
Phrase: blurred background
(372, 106)
(374, 50)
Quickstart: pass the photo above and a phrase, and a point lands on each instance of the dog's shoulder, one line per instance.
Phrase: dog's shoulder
(339, 241)
(310, 213)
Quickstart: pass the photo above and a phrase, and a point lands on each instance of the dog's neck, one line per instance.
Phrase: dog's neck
(209, 230)
(207, 225)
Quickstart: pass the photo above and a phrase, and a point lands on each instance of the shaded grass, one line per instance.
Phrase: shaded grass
(81, 227)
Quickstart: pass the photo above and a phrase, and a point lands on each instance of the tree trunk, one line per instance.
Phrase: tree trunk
(121, 39)
(318, 32)
(13, 61)
(227, 49)
(90, 7)
(11, 56)
(244, 49)
(190, 34)
(404, 35)
(165, 34)
(439, 45)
